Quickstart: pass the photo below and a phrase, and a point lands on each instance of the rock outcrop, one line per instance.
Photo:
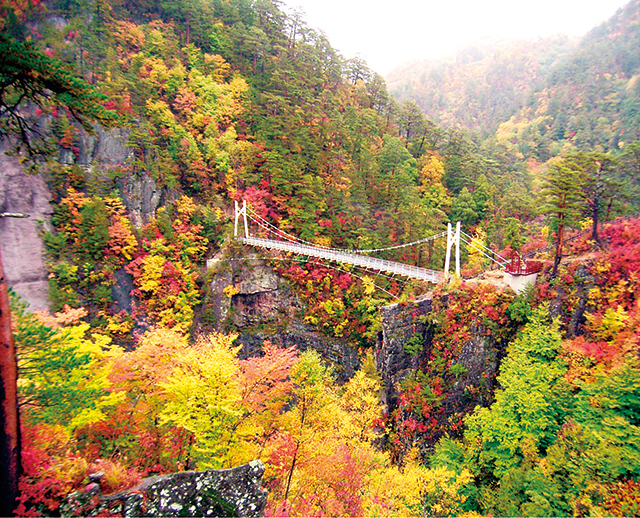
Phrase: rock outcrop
(247, 296)
(142, 196)
(23, 252)
(106, 148)
(22, 249)
(399, 325)
(466, 371)
(227, 492)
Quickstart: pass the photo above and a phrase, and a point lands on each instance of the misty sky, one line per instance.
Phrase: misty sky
(389, 32)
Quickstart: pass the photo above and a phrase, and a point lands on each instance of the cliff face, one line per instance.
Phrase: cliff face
(399, 325)
(478, 355)
(439, 359)
(248, 297)
(23, 252)
(22, 248)
(108, 150)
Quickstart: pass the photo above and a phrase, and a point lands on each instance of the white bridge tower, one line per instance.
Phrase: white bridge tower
(241, 212)
(452, 239)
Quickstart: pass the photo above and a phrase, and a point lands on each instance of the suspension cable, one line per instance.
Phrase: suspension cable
(484, 246)
(276, 229)
(356, 275)
(481, 251)
(345, 250)
(364, 269)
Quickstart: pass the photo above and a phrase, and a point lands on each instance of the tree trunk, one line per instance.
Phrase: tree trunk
(10, 464)
(291, 470)
(295, 455)
(594, 216)
(559, 244)
(595, 211)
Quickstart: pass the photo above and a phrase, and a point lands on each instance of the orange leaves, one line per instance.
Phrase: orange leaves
(72, 204)
(80, 219)
(122, 242)
(151, 362)
(215, 65)
(197, 405)
(227, 406)
(185, 102)
(128, 34)
(265, 381)
(623, 498)
(134, 425)
(67, 316)
(320, 460)
(334, 482)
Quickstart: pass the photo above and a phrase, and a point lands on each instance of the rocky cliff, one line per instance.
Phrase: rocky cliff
(23, 253)
(22, 248)
(248, 297)
(478, 355)
(438, 357)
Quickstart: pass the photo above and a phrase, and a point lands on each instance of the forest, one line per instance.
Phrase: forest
(135, 371)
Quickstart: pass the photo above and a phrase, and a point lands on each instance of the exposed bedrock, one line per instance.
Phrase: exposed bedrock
(246, 295)
(225, 492)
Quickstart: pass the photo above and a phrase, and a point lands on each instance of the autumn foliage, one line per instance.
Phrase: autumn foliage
(224, 101)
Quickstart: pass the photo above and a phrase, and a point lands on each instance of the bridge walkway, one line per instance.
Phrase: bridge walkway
(414, 272)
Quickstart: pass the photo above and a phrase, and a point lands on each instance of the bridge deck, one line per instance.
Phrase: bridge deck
(414, 272)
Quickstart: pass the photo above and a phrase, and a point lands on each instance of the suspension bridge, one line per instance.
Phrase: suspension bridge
(284, 242)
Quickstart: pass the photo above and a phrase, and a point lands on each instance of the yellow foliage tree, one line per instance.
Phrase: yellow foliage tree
(432, 171)
(360, 402)
(432, 189)
(64, 370)
(203, 397)
(414, 490)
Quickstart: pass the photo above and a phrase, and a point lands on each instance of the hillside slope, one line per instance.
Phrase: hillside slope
(482, 85)
(543, 95)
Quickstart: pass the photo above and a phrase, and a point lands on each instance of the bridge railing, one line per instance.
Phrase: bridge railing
(384, 265)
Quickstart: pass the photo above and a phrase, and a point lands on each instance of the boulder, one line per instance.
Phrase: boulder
(225, 492)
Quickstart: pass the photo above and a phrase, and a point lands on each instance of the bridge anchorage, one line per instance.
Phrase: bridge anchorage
(287, 243)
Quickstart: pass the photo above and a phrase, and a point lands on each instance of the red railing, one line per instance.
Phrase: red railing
(520, 266)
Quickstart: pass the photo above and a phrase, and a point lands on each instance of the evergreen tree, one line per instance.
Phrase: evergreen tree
(513, 234)
(560, 199)
(598, 187)
(464, 209)
(29, 75)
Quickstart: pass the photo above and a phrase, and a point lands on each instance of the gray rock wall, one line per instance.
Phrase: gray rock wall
(106, 148)
(142, 197)
(399, 323)
(22, 249)
(264, 307)
(20, 243)
(479, 355)
(227, 492)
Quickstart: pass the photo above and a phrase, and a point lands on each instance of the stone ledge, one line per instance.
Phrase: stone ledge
(227, 492)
